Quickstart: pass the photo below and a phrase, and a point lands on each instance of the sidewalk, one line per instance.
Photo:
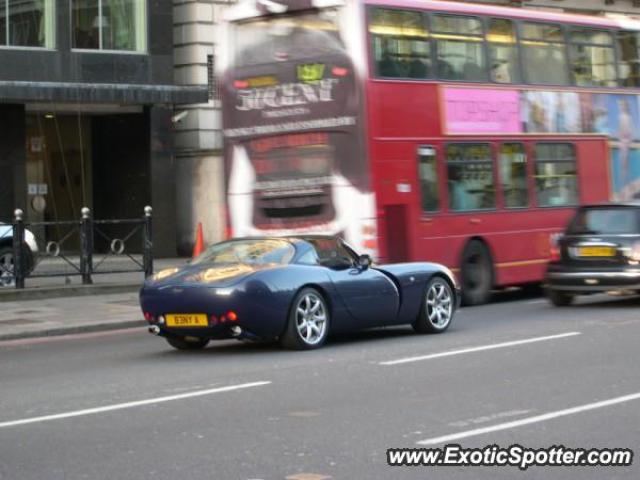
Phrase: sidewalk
(59, 316)
(62, 305)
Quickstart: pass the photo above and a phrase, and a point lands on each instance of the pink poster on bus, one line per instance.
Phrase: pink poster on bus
(483, 111)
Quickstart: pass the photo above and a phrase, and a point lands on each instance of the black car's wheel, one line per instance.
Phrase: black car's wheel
(476, 273)
(437, 309)
(187, 343)
(559, 299)
(308, 324)
(6, 261)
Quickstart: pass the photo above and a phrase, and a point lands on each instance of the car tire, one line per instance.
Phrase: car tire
(437, 309)
(181, 343)
(476, 274)
(558, 298)
(308, 322)
(6, 260)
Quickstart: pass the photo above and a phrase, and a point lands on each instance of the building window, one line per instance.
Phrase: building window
(459, 47)
(513, 175)
(470, 174)
(400, 44)
(629, 66)
(592, 58)
(428, 175)
(556, 174)
(109, 25)
(27, 23)
(544, 54)
(503, 51)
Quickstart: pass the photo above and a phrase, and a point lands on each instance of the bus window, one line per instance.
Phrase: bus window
(459, 47)
(428, 175)
(629, 66)
(513, 175)
(470, 175)
(400, 44)
(592, 58)
(503, 51)
(556, 174)
(544, 55)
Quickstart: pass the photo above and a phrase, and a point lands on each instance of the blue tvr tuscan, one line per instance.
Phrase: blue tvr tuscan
(296, 290)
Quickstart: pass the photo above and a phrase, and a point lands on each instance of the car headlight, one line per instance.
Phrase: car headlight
(167, 272)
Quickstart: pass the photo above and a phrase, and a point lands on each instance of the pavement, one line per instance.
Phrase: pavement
(123, 404)
(55, 306)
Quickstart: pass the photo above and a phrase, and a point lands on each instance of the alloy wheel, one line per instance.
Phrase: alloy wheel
(439, 304)
(311, 318)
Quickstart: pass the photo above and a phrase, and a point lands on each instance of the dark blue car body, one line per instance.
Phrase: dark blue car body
(261, 296)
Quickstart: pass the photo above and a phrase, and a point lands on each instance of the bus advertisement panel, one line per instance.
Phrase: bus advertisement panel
(469, 110)
(293, 128)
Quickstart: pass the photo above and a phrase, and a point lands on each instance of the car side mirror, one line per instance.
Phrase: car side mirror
(364, 261)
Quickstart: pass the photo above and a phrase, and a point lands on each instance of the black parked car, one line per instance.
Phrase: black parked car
(598, 252)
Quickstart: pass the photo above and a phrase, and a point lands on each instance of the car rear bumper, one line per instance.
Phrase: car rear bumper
(586, 281)
(256, 316)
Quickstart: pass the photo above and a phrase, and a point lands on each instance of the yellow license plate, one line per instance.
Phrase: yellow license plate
(597, 251)
(187, 320)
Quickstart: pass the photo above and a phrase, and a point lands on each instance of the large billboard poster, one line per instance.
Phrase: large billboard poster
(476, 111)
(294, 140)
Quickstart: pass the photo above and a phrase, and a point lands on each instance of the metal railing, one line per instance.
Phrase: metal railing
(69, 248)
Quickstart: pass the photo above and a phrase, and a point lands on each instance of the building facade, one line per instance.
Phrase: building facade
(198, 141)
(87, 99)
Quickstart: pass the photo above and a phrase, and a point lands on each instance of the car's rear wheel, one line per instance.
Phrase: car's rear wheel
(187, 343)
(437, 308)
(308, 323)
(558, 298)
(476, 273)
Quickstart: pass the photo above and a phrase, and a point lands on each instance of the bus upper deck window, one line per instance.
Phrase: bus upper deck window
(544, 54)
(592, 58)
(503, 51)
(629, 58)
(400, 44)
(460, 47)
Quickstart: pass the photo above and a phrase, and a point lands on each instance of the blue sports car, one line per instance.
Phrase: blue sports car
(296, 290)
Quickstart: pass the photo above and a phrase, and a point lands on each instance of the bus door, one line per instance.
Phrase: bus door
(431, 198)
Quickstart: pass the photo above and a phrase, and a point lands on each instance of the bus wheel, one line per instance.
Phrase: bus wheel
(476, 273)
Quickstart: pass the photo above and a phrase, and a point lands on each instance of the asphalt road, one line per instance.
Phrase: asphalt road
(124, 405)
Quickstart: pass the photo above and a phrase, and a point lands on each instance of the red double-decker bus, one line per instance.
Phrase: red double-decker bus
(425, 130)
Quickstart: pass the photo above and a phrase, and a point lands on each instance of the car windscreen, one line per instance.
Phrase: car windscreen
(250, 251)
(605, 221)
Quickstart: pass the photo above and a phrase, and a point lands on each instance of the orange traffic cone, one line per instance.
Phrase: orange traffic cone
(199, 246)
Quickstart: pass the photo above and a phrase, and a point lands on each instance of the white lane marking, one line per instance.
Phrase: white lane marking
(478, 349)
(138, 403)
(530, 420)
(489, 418)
